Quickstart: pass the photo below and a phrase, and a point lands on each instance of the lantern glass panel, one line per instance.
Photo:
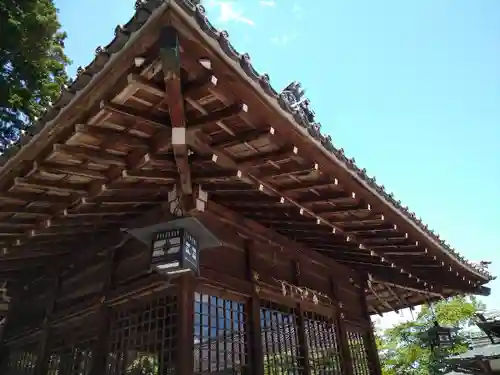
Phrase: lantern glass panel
(445, 339)
(440, 336)
(173, 251)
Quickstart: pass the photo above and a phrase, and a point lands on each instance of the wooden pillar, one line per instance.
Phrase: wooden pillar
(341, 332)
(252, 326)
(15, 291)
(100, 348)
(301, 331)
(369, 336)
(4, 359)
(185, 325)
(42, 363)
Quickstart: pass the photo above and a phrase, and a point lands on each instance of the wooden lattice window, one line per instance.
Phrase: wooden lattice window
(359, 357)
(322, 341)
(219, 335)
(70, 361)
(71, 348)
(21, 362)
(142, 338)
(282, 354)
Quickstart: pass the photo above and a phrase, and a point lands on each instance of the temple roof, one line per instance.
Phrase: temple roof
(293, 105)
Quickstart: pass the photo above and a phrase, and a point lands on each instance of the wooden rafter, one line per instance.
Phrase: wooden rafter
(200, 144)
(379, 245)
(171, 65)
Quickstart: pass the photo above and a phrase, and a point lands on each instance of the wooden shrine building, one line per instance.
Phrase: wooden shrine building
(173, 213)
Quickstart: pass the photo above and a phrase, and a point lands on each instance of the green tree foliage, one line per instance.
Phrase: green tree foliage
(32, 64)
(403, 349)
(143, 364)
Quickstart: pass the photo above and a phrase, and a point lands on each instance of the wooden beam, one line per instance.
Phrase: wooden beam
(215, 116)
(421, 291)
(134, 114)
(48, 185)
(15, 209)
(171, 65)
(268, 236)
(24, 197)
(151, 176)
(229, 140)
(82, 154)
(68, 170)
(191, 87)
(379, 299)
(404, 303)
(115, 136)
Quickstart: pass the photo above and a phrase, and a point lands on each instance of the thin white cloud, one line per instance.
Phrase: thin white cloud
(267, 3)
(228, 13)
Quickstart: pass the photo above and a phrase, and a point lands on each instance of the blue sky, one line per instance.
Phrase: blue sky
(410, 88)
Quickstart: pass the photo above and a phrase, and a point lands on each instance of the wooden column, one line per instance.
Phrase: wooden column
(341, 331)
(252, 326)
(41, 367)
(185, 326)
(15, 291)
(301, 331)
(100, 349)
(369, 336)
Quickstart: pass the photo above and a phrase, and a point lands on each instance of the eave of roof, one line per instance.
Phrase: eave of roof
(490, 351)
(146, 10)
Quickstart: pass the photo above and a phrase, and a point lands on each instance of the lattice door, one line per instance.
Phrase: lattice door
(70, 361)
(219, 335)
(359, 356)
(70, 347)
(21, 362)
(280, 342)
(322, 341)
(142, 338)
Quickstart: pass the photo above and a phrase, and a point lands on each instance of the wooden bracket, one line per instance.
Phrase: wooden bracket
(180, 204)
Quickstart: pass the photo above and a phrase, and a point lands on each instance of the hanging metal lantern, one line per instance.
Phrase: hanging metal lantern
(175, 250)
(440, 337)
